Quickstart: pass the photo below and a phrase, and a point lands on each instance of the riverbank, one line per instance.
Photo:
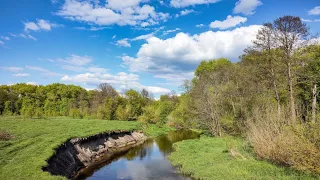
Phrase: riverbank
(226, 158)
(32, 142)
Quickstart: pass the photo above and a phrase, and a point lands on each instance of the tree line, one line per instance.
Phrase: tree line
(74, 101)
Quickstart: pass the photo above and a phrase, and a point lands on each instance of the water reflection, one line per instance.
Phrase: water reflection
(147, 161)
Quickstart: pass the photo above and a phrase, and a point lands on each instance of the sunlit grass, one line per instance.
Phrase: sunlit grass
(210, 158)
(34, 141)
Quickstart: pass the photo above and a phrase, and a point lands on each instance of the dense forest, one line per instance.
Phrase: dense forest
(270, 97)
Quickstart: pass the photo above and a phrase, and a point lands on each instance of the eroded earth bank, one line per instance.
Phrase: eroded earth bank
(78, 153)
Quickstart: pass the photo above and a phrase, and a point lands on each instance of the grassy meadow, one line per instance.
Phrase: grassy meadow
(226, 158)
(33, 141)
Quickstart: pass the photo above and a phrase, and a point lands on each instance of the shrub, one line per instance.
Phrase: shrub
(292, 145)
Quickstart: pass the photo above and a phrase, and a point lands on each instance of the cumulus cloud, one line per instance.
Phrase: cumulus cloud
(40, 25)
(185, 3)
(246, 7)
(181, 54)
(314, 11)
(21, 75)
(120, 81)
(228, 23)
(130, 12)
(12, 68)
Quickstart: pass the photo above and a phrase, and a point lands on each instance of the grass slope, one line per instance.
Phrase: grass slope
(209, 158)
(34, 140)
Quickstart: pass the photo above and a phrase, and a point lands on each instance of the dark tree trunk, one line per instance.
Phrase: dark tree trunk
(314, 103)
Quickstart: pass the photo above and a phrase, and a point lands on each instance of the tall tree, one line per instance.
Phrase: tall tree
(265, 43)
(290, 31)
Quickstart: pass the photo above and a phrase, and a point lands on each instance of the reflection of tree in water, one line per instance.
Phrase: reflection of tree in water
(180, 135)
(140, 151)
(165, 142)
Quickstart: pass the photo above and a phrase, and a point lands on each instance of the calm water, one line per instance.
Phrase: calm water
(147, 161)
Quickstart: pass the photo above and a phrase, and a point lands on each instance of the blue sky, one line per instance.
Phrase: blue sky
(130, 43)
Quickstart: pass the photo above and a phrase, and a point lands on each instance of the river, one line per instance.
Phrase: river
(144, 162)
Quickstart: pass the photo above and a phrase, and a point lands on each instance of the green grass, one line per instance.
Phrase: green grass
(209, 158)
(35, 140)
(152, 130)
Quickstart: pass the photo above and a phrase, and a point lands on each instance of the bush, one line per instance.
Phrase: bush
(292, 145)
(75, 113)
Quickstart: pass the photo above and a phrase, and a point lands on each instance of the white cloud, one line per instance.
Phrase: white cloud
(185, 3)
(72, 68)
(246, 7)
(228, 23)
(120, 81)
(44, 72)
(180, 54)
(32, 83)
(120, 5)
(12, 69)
(143, 37)
(114, 36)
(1, 43)
(306, 20)
(314, 11)
(5, 38)
(91, 69)
(92, 28)
(13, 35)
(78, 63)
(96, 69)
(185, 12)
(54, 1)
(23, 36)
(310, 20)
(21, 75)
(123, 43)
(41, 24)
(130, 12)
(156, 90)
(28, 36)
(31, 37)
(170, 31)
(200, 25)
(31, 26)
(76, 60)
